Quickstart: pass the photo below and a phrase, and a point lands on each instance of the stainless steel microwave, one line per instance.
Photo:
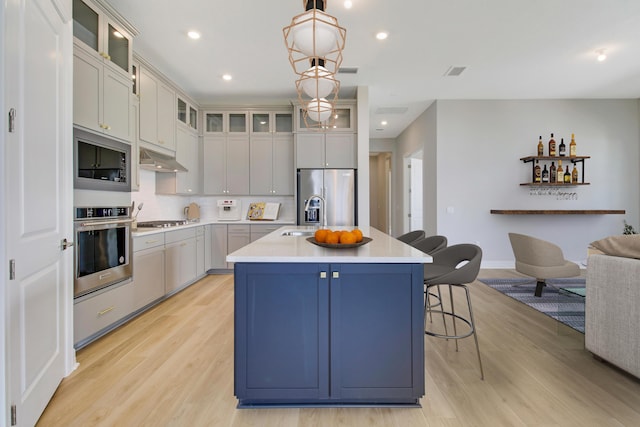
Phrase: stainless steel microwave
(100, 163)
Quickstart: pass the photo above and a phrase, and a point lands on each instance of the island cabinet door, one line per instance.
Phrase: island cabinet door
(377, 332)
(281, 332)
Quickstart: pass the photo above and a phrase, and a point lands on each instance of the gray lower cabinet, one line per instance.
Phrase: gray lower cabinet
(328, 334)
(148, 273)
(261, 230)
(96, 315)
(180, 259)
(203, 246)
(218, 246)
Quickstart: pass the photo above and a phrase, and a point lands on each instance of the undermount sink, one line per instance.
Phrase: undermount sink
(298, 233)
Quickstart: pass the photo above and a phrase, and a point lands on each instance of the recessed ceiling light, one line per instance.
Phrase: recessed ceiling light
(382, 35)
(193, 35)
(601, 55)
(348, 4)
(227, 77)
(383, 123)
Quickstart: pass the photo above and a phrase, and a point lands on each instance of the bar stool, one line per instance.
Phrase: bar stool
(430, 245)
(412, 236)
(455, 266)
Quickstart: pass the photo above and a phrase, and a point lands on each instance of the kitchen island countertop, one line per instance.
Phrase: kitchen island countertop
(276, 248)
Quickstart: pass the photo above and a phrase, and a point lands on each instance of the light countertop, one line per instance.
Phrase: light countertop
(276, 248)
(150, 230)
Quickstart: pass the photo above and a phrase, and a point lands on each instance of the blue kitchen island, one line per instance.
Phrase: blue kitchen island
(317, 326)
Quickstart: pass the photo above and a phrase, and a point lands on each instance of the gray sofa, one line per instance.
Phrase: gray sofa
(612, 311)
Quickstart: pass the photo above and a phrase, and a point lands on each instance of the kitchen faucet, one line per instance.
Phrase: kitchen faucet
(324, 208)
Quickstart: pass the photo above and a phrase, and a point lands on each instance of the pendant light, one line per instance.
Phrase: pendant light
(315, 43)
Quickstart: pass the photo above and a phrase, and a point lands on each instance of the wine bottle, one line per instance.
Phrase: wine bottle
(560, 177)
(563, 148)
(552, 173)
(545, 174)
(574, 174)
(552, 146)
(540, 147)
(567, 176)
(537, 174)
(572, 146)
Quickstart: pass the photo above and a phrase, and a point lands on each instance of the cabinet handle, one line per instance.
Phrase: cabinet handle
(323, 274)
(105, 311)
(148, 242)
(335, 274)
(184, 244)
(161, 142)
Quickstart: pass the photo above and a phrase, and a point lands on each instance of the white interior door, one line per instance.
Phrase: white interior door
(38, 195)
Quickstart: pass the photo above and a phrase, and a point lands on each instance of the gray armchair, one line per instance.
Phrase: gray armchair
(540, 259)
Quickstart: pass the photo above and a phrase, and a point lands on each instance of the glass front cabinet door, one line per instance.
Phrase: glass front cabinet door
(97, 32)
(226, 122)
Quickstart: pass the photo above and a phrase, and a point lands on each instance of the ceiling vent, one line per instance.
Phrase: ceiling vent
(348, 70)
(454, 71)
(385, 111)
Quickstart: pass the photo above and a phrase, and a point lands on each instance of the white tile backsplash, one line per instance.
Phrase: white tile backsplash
(157, 206)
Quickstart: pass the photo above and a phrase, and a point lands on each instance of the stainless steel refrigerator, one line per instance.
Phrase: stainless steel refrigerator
(338, 189)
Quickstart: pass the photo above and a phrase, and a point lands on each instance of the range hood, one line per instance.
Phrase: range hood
(150, 160)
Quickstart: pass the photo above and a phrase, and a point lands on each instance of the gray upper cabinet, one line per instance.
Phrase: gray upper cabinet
(320, 150)
(157, 112)
(225, 165)
(271, 163)
(101, 97)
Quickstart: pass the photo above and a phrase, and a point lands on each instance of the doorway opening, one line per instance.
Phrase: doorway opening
(380, 206)
(413, 192)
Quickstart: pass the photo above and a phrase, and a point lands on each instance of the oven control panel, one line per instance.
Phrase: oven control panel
(100, 212)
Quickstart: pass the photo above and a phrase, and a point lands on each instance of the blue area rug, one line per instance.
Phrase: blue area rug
(561, 299)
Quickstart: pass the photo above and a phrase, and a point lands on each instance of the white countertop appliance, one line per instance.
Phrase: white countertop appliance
(229, 210)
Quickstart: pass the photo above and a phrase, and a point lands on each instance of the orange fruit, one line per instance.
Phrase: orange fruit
(321, 235)
(332, 238)
(347, 238)
(358, 234)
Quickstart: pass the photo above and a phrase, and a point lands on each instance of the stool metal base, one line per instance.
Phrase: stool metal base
(453, 315)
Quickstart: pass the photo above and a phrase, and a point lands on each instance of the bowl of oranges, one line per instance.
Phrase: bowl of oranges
(339, 239)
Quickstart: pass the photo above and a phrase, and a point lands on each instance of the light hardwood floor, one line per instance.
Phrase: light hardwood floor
(173, 366)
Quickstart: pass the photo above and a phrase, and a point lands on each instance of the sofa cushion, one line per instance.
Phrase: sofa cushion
(627, 245)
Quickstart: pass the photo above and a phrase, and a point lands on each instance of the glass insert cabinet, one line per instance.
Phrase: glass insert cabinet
(101, 34)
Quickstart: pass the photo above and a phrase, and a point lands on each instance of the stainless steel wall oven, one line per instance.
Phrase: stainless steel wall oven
(103, 248)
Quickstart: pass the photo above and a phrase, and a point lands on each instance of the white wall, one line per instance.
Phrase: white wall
(479, 144)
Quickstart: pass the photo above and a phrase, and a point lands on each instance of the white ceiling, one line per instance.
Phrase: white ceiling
(513, 49)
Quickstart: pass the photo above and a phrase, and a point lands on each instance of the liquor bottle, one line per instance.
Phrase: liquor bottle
(545, 174)
(552, 173)
(563, 148)
(567, 176)
(537, 174)
(540, 147)
(560, 177)
(572, 146)
(574, 174)
(552, 146)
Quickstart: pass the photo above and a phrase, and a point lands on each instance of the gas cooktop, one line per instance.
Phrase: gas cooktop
(162, 223)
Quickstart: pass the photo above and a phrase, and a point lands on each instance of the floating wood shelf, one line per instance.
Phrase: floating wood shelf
(558, 212)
